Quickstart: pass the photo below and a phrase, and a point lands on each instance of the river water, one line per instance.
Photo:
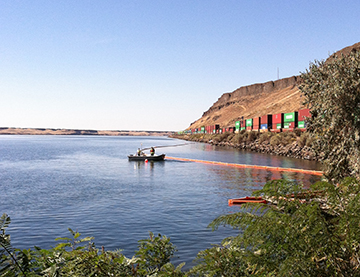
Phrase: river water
(51, 183)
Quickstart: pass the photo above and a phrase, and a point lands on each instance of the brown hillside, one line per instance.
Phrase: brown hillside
(251, 101)
(272, 97)
(44, 131)
(345, 51)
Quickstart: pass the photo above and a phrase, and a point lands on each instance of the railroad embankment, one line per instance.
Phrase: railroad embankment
(289, 144)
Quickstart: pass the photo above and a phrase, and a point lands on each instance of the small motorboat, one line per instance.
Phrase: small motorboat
(146, 157)
(247, 199)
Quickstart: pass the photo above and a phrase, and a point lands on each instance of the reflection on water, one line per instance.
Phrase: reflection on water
(202, 151)
(244, 180)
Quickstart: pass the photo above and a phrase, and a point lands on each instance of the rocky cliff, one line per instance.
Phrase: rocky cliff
(251, 101)
(272, 97)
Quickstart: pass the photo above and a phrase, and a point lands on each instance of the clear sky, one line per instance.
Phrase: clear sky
(153, 64)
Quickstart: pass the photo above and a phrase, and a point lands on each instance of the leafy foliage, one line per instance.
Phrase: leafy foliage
(275, 140)
(79, 257)
(265, 137)
(332, 90)
(12, 262)
(307, 233)
(225, 260)
(5, 246)
(154, 253)
(305, 139)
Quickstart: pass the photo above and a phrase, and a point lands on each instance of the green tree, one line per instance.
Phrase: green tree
(332, 90)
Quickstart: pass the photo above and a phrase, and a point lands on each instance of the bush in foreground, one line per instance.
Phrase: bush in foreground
(332, 90)
(80, 257)
(307, 233)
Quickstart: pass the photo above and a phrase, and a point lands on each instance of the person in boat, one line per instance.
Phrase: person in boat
(152, 151)
(138, 152)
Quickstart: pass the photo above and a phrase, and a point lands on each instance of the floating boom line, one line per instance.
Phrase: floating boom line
(271, 168)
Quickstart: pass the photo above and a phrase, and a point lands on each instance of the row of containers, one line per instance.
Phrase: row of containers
(281, 122)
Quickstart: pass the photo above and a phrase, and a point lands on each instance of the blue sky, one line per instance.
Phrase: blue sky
(153, 65)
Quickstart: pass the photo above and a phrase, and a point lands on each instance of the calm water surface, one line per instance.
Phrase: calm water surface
(51, 183)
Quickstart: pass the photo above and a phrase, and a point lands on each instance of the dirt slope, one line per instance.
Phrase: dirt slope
(272, 97)
(251, 101)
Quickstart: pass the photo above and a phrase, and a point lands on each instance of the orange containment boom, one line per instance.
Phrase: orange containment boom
(271, 168)
(247, 199)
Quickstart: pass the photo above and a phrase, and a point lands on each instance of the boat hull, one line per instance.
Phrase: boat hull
(146, 157)
(246, 199)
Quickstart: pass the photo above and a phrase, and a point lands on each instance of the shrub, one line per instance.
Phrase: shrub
(297, 132)
(252, 136)
(236, 139)
(265, 137)
(216, 138)
(73, 258)
(223, 136)
(220, 261)
(306, 139)
(154, 253)
(306, 233)
(287, 138)
(303, 139)
(275, 140)
(332, 90)
(239, 137)
(230, 137)
(310, 141)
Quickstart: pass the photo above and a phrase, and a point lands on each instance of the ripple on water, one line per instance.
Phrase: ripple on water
(50, 183)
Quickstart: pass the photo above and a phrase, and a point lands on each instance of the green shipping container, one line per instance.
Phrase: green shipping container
(301, 124)
(237, 125)
(249, 122)
(290, 117)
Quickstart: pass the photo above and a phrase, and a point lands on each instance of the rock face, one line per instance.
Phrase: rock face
(267, 87)
(272, 97)
(257, 89)
(251, 101)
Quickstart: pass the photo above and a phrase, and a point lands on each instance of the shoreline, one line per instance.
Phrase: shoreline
(48, 131)
(293, 149)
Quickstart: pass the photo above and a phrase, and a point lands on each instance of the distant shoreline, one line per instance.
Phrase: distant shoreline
(45, 131)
